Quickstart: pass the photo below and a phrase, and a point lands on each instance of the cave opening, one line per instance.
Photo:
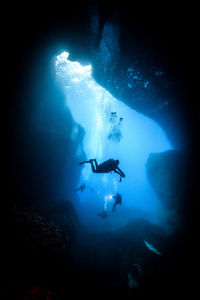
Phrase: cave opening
(111, 130)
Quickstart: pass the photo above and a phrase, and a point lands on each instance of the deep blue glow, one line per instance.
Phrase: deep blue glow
(91, 107)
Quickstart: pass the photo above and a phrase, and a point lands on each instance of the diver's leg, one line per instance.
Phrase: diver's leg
(87, 161)
(84, 162)
(96, 164)
(92, 165)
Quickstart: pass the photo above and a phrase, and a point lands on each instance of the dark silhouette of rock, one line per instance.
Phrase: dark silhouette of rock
(169, 175)
(63, 213)
(167, 172)
(39, 249)
(119, 261)
(39, 235)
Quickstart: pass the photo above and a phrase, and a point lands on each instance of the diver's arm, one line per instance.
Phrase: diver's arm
(118, 171)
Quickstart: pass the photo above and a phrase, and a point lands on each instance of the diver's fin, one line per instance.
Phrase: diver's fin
(151, 248)
(83, 162)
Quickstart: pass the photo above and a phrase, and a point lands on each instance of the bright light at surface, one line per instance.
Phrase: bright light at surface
(112, 130)
(62, 57)
(75, 70)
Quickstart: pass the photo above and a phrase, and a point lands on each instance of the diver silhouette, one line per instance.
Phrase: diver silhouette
(118, 200)
(105, 167)
(81, 188)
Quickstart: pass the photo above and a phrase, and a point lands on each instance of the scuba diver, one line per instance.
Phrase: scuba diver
(105, 167)
(83, 187)
(118, 200)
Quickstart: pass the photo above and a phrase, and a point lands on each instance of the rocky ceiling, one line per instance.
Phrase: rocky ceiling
(157, 40)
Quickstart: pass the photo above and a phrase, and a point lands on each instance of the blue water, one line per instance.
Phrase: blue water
(111, 130)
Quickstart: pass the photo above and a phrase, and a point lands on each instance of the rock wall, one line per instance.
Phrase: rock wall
(130, 70)
(168, 174)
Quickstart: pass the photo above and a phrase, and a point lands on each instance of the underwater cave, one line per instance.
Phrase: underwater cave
(111, 130)
(100, 82)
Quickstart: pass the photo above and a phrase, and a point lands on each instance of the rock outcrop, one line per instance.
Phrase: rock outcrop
(168, 174)
(39, 247)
